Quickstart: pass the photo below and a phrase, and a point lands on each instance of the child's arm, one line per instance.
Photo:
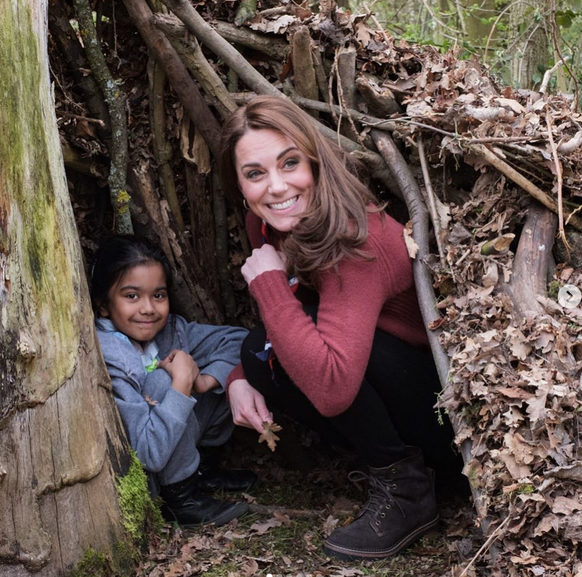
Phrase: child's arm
(216, 350)
(183, 370)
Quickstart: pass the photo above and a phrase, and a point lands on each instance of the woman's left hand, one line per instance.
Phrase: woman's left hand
(262, 260)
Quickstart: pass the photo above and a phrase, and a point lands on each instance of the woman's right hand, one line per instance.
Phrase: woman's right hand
(183, 370)
(248, 406)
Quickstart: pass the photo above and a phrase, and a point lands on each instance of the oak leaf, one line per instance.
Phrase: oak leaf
(268, 434)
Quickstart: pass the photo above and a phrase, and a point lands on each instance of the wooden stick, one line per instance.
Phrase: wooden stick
(436, 223)
(523, 182)
(559, 179)
(221, 47)
(115, 99)
(186, 89)
(188, 48)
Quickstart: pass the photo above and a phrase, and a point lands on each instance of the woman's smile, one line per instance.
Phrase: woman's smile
(275, 177)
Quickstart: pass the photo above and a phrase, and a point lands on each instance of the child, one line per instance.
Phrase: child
(168, 379)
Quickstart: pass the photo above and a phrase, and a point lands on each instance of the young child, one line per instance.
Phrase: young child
(168, 379)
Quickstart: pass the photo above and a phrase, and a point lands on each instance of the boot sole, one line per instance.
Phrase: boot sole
(347, 554)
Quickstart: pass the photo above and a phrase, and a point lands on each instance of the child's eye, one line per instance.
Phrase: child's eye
(160, 296)
(131, 296)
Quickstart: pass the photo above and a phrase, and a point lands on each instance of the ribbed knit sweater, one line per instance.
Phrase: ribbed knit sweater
(327, 360)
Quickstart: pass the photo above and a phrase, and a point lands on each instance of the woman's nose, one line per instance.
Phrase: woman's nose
(277, 183)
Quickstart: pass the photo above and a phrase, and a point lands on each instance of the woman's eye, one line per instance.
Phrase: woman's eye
(253, 174)
(291, 163)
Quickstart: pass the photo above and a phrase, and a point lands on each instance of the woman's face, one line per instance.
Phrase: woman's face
(274, 176)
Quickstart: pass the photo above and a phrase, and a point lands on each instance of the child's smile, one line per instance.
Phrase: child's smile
(138, 304)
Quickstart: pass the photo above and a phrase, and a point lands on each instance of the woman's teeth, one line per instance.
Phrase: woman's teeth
(284, 205)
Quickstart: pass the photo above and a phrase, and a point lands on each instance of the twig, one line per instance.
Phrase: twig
(521, 181)
(548, 75)
(305, 513)
(501, 14)
(115, 99)
(79, 117)
(493, 537)
(370, 14)
(558, 167)
(431, 199)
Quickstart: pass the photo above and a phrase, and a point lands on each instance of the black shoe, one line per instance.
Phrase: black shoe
(401, 507)
(189, 507)
(213, 478)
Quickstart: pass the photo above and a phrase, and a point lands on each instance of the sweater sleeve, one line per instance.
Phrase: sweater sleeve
(216, 349)
(328, 360)
(154, 428)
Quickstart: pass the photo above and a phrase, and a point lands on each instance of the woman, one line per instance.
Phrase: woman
(342, 346)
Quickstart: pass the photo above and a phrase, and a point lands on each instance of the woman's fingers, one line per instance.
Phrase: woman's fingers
(248, 405)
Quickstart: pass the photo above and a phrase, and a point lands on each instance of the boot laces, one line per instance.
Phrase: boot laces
(378, 493)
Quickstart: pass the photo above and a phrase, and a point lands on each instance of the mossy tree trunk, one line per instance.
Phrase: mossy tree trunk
(61, 444)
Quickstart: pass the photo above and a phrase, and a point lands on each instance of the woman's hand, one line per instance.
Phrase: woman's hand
(183, 370)
(248, 405)
(262, 260)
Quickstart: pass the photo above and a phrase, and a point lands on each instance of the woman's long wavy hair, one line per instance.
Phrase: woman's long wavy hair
(335, 225)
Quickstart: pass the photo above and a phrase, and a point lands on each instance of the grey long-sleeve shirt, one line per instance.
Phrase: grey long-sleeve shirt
(154, 414)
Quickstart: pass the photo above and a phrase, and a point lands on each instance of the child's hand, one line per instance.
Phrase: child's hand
(183, 370)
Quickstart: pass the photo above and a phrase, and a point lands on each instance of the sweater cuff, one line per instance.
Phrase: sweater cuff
(269, 288)
(236, 374)
(179, 405)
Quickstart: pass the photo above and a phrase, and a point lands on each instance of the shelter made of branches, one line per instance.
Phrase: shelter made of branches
(488, 177)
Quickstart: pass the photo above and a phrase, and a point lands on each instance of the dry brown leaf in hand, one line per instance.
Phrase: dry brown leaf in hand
(269, 436)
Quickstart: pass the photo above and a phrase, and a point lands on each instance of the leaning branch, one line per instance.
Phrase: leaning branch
(185, 88)
(524, 183)
(115, 100)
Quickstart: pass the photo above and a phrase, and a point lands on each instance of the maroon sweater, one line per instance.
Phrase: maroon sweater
(327, 360)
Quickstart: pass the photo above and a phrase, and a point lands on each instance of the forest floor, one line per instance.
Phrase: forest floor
(301, 496)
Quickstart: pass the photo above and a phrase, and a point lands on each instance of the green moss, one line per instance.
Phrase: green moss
(93, 564)
(554, 287)
(139, 512)
(35, 185)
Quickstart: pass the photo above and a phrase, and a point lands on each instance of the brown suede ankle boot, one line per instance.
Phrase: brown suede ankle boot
(401, 506)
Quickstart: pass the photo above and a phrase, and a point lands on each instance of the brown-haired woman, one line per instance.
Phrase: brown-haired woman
(342, 346)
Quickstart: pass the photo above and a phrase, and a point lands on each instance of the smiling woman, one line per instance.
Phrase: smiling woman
(342, 346)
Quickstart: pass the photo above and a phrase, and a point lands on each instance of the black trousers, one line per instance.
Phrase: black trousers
(393, 408)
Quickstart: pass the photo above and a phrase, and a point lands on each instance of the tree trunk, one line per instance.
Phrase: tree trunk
(61, 443)
(528, 42)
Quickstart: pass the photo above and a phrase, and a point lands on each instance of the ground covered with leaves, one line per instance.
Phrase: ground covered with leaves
(292, 512)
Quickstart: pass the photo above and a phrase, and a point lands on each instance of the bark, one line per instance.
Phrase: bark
(61, 442)
(188, 48)
(153, 218)
(528, 42)
(115, 99)
(70, 48)
(186, 89)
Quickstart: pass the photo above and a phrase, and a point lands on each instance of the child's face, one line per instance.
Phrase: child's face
(138, 303)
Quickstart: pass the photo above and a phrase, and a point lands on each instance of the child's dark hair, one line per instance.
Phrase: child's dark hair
(118, 255)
